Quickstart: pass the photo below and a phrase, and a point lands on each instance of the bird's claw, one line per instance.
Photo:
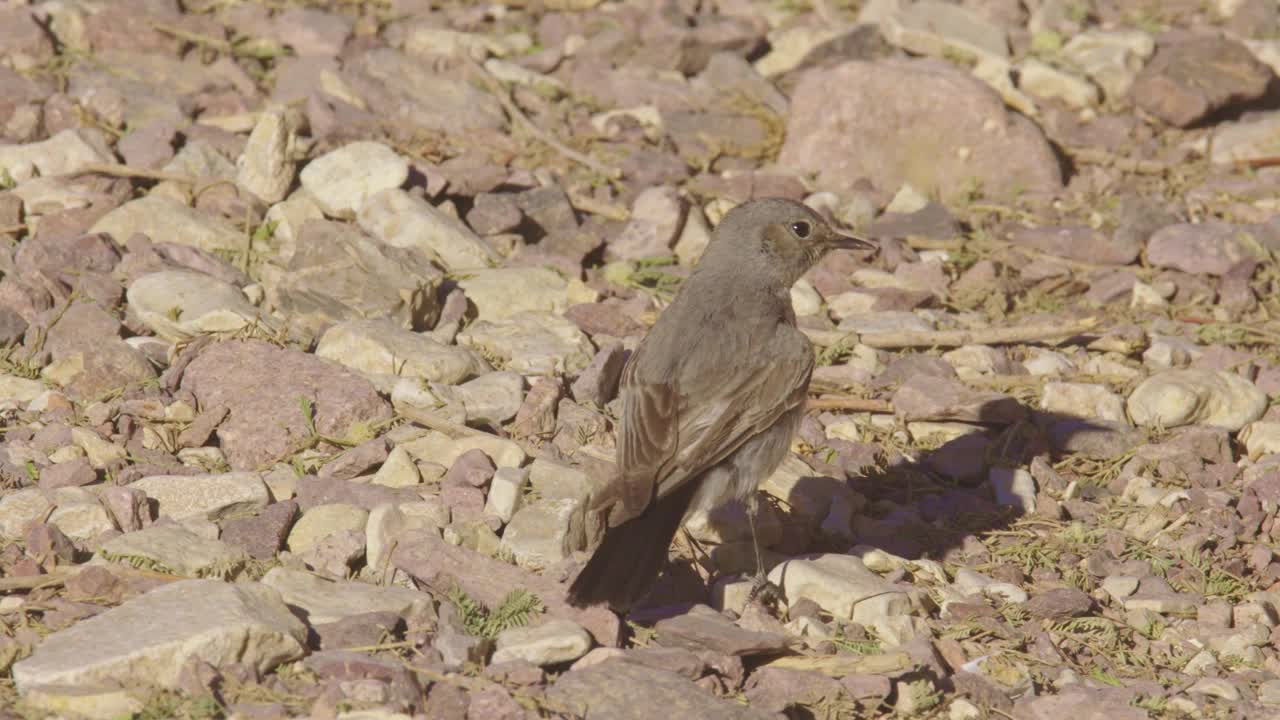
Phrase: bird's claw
(768, 593)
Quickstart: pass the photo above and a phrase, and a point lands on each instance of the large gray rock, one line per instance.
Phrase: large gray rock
(208, 497)
(149, 639)
(931, 125)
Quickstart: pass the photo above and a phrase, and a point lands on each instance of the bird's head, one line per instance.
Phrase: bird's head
(780, 237)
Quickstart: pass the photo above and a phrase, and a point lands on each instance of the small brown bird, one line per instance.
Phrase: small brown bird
(712, 396)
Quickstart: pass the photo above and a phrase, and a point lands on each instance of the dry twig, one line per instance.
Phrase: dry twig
(955, 338)
(853, 404)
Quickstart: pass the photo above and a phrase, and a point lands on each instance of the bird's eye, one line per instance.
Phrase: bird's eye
(801, 229)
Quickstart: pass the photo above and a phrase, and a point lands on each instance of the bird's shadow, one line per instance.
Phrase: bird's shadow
(936, 503)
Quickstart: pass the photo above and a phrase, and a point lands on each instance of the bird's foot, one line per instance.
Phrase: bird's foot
(768, 593)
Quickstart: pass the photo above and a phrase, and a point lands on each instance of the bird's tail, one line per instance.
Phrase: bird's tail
(627, 563)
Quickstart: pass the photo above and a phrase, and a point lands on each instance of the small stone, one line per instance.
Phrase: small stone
(1110, 58)
(489, 400)
(502, 293)
(1217, 687)
(61, 154)
(266, 168)
(441, 449)
(379, 347)
(631, 691)
(100, 452)
(324, 520)
(926, 27)
(1082, 400)
(178, 305)
(704, 628)
(506, 493)
(174, 550)
(842, 586)
(531, 343)
(1259, 438)
(210, 497)
(1211, 248)
(397, 471)
(71, 473)
(342, 180)
(82, 520)
(472, 468)
(550, 643)
(261, 535)
(541, 533)
(148, 640)
(1120, 587)
(163, 219)
(1044, 81)
(1059, 604)
(598, 383)
(1183, 397)
(398, 219)
(326, 601)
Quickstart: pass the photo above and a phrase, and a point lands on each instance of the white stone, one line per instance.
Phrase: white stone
(1145, 296)
(1047, 362)
(506, 492)
(1234, 142)
(550, 643)
(1183, 397)
(531, 343)
(443, 450)
(541, 533)
(842, 586)
(326, 601)
(323, 520)
(266, 168)
(788, 47)
(1014, 487)
(82, 521)
(1261, 438)
(1111, 58)
(164, 219)
(20, 508)
(211, 497)
(398, 470)
(179, 304)
(61, 154)
(175, 550)
(502, 293)
(491, 399)
(149, 640)
(928, 27)
(1120, 587)
(694, 237)
(380, 347)
(1045, 81)
(401, 220)
(289, 216)
(19, 391)
(85, 703)
(342, 180)
(1084, 400)
(971, 361)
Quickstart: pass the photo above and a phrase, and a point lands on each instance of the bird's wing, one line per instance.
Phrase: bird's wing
(672, 434)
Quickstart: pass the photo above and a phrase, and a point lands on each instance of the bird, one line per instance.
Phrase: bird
(711, 397)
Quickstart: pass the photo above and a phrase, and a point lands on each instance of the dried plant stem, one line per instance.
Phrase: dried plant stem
(956, 338)
(853, 404)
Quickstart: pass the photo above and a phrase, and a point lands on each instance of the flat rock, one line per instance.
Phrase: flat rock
(148, 640)
(1111, 58)
(163, 219)
(262, 386)
(61, 154)
(1193, 76)
(174, 550)
(1252, 139)
(267, 168)
(337, 273)
(502, 293)
(398, 219)
(703, 628)
(926, 106)
(321, 521)
(549, 643)
(531, 343)
(179, 304)
(326, 601)
(842, 586)
(380, 347)
(1083, 400)
(923, 397)
(208, 497)
(21, 508)
(939, 29)
(441, 449)
(342, 180)
(1212, 248)
(1184, 397)
(616, 690)
(1082, 243)
(440, 566)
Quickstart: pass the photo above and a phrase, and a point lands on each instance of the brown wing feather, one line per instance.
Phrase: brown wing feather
(669, 437)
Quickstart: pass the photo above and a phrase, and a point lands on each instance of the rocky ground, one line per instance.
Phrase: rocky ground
(314, 313)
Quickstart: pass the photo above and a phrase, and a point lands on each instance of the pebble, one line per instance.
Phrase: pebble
(342, 180)
(531, 343)
(65, 152)
(178, 305)
(322, 521)
(266, 168)
(502, 293)
(379, 347)
(549, 643)
(163, 219)
(398, 219)
(1082, 400)
(842, 586)
(540, 533)
(397, 471)
(506, 493)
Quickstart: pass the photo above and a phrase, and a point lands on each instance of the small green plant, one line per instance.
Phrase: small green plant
(515, 610)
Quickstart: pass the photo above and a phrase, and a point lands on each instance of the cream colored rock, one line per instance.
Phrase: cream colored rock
(401, 220)
(180, 304)
(398, 470)
(19, 391)
(1111, 58)
(1046, 81)
(1261, 438)
(266, 168)
(531, 343)
(439, 448)
(164, 219)
(842, 586)
(1184, 397)
(19, 509)
(550, 643)
(1084, 400)
(210, 497)
(61, 154)
(150, 639)
(326, 601)
(502, 293)
(342, 180)
(380, 347)
(323, 520)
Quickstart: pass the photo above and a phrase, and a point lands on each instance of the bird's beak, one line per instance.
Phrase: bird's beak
(841, 241)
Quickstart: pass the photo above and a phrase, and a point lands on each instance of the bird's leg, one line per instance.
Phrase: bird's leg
(702, 565)
(760, 585)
